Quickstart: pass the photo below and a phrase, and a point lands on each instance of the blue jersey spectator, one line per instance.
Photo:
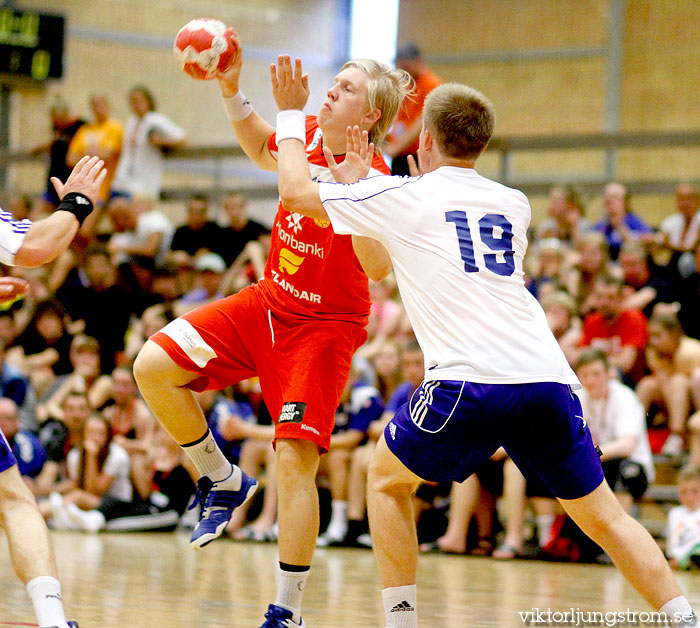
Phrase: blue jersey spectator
(25, 446)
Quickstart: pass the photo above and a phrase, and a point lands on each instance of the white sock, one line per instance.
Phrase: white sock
(400, 606)
(210, 461)
(290, 590)
(544, 528)
(45, 594)
(679, 612)
(338, 526)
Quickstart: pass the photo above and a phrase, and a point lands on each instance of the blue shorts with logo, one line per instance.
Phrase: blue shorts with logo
(448, 428)
(7, 458)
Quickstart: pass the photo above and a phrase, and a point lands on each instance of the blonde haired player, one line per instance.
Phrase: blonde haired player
(495, 375)
(297, 329)
(23, 243)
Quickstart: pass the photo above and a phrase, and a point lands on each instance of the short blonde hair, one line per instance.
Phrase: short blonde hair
(386, 89)
(461, 118)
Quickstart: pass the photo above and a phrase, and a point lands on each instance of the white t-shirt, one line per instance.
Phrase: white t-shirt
(148, 223)
(683, 531)
(117, 465)
(140, 167)
(12, 233)
(621, 414)
(457, 242)
(673, 227)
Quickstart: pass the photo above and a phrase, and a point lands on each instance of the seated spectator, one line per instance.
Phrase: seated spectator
(566, 221)
(198, 233)
(59, 436)
(683, 529)
(131, 420)
(240, 230)
(681, 230)
(210, 272)
(674, 362)
(621, 334)
(387, 368)
(25, 445)
(616, 420)
(689, 298)
(98, 468)
(15, 385)
(546, 272)
(93, 296)
(360, 405)
(42, 349)
(165, 484)
(620, 223)
(643, 288)
(141, 231)
(589, 262)
(85, 378)
(560, 310)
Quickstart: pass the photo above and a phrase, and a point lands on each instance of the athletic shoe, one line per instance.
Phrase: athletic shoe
(278, 617)
(71, 624)
(673, 446)
(328, 539)
(218, 505)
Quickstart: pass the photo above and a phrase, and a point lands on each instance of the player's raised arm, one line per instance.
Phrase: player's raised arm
(291, 91)
(252, 132)
(49, 237)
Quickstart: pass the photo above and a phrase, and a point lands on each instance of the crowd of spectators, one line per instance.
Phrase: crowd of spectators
(622, 298)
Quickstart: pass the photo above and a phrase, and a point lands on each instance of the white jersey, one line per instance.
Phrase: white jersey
(621, 414)
(457, 242)
(683, 532)
(12, 233)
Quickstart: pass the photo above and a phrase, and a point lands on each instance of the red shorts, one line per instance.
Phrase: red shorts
(302, 365)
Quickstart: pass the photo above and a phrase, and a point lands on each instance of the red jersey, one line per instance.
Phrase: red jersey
(311, 272)
(629, 329)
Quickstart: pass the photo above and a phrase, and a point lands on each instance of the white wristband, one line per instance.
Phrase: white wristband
(237, 107)
(291, 124)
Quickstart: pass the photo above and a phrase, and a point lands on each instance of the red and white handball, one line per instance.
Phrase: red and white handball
(203, 47)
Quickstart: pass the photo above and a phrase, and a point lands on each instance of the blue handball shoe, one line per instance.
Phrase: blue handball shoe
(218, 503)
(278, 617)
(71, 624)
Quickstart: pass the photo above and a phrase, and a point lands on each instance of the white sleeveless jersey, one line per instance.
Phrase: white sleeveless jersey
(12, 233)
(457, 242)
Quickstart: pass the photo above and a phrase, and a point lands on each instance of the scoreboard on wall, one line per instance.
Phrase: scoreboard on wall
(31, 44)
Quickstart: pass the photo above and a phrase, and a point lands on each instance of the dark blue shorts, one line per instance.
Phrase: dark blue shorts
(7, 458)
(449, 428)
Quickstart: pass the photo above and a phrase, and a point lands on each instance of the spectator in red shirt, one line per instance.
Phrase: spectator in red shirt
(620, 333)
(403, 140)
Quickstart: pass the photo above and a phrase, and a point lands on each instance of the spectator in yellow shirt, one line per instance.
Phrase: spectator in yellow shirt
(103, 138)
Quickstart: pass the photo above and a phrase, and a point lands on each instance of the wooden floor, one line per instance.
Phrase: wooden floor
(156, 581)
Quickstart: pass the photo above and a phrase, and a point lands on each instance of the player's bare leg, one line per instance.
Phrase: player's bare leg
(222, 487)
(298, 519)
(634, 552)
(394, 540)
(31, 551)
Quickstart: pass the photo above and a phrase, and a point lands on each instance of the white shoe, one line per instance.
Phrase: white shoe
(673, 445)
(61, 520)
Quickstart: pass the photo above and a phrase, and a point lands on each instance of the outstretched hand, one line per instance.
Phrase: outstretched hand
(290, 87)
(358, 157)
(86, 178)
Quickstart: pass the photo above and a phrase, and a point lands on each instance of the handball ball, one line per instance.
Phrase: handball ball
(204, 46)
